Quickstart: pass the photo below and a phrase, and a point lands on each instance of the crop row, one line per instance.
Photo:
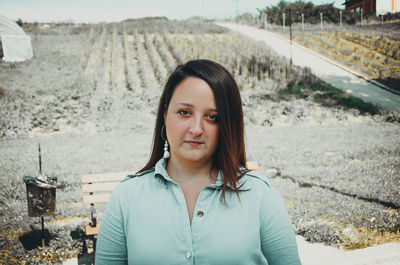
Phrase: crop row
(148, 58)
(155, 58)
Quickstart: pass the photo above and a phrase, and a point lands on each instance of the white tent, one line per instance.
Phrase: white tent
(15, 44)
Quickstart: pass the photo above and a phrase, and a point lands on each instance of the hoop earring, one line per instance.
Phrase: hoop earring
(166, 152)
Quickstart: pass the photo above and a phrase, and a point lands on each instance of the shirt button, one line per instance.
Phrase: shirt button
(188, 254)
(200, 214)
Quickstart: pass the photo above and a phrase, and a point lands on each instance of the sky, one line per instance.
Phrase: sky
(117, 10)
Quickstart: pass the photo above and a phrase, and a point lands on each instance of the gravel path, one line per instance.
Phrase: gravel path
(316, 254)
(323, 67)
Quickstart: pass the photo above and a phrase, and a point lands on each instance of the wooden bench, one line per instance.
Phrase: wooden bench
(97, 188)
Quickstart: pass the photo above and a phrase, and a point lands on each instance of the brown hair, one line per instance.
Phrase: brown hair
(230, 155)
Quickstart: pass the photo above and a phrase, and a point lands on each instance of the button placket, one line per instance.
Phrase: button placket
(199, 209)
(183, 219)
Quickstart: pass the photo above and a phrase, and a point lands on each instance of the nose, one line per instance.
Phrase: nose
(196, 128)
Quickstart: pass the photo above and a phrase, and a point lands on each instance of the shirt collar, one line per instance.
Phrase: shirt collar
(160, 170)
(241, 184)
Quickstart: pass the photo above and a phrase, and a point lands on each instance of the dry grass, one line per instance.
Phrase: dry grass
(384, 46)
(368, 55)
(362, 237)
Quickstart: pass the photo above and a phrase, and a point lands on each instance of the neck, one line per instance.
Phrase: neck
(192, 171)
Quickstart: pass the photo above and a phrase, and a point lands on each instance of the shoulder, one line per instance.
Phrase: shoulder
(133, 182)
(131, 186)
(261, 186)
(140, 175)
(258, 179)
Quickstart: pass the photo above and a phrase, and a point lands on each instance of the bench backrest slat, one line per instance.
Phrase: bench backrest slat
(96, 198)
(99, 187)
(105, 177)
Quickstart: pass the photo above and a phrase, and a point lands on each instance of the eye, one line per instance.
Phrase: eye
(212, 117)
(183, 112)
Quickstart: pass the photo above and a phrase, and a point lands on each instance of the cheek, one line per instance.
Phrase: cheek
(175, 129)
(213, 133)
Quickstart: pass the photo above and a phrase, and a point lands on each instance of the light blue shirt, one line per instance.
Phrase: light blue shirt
(146, 222)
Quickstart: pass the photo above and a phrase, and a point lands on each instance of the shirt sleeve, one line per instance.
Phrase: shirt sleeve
(111, 242)
(278, 241)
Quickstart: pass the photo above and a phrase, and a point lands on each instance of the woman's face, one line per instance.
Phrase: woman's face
(191, 122)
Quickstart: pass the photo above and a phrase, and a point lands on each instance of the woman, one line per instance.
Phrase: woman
(195, 202)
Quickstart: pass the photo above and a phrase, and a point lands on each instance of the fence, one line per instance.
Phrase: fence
(300, 22)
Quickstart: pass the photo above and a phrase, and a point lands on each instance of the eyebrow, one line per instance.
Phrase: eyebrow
(191, 106)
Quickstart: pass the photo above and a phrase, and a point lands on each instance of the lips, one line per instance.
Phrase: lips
(194, 143)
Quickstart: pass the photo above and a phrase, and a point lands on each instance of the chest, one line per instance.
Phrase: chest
(191, 195)
(216, 233)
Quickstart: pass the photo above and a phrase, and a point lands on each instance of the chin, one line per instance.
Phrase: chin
(195, 157)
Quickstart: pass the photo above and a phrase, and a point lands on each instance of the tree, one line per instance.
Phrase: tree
(311, 12)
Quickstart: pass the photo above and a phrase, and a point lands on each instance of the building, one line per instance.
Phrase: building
(387, 6)
(380, 7)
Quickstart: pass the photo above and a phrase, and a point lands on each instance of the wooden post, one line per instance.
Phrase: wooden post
(283, 18)
(290, 34)
(265, 21)
(321, 19)
(43, 235)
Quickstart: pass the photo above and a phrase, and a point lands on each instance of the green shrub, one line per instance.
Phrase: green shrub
(357, 103)
(336, 97)
(325, 94)
(298, 92)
